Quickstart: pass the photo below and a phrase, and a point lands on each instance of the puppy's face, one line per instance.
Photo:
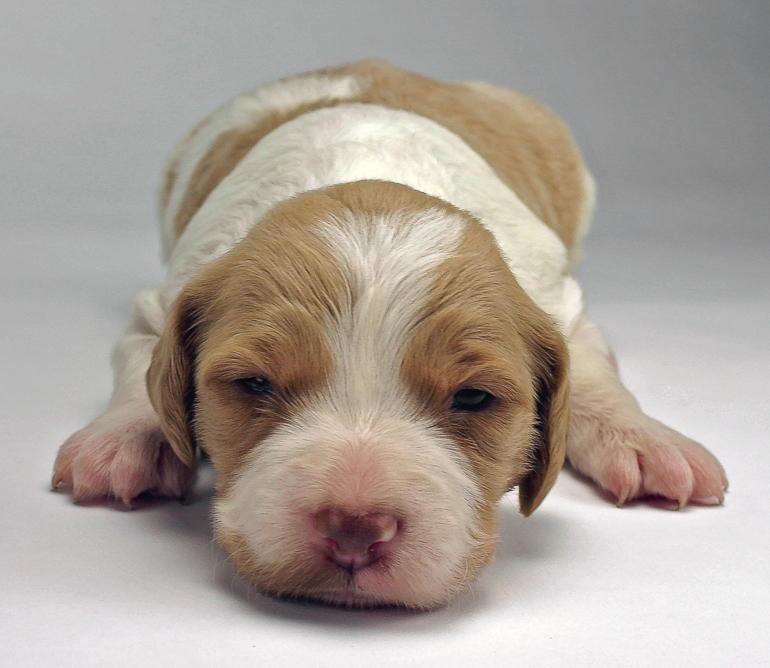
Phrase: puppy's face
(368, 379)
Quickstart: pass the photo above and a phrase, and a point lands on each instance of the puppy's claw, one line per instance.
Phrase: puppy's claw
(710, 501)
(127, 502)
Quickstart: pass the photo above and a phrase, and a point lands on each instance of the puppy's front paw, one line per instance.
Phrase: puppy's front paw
(643, 457)
(121, 454)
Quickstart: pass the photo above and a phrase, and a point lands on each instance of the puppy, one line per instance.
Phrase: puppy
(370, 326)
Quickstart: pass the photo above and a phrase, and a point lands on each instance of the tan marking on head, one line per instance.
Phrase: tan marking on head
(257, 311)
(262, 310)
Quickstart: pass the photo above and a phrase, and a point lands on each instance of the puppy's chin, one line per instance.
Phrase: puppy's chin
(356, 515)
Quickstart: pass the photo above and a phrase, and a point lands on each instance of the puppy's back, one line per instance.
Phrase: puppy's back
(529, 147)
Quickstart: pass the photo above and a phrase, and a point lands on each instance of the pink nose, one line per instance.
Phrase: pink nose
(355, 541)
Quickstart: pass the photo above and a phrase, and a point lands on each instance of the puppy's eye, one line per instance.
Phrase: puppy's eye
(471, 399)
(256, 385)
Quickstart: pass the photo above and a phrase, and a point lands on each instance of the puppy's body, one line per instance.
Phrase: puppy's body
(364, 325)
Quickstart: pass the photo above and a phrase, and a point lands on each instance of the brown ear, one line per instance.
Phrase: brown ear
(170, 381)
(551, 375)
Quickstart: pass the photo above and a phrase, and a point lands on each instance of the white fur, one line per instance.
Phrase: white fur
(387, 461)
(389, 267)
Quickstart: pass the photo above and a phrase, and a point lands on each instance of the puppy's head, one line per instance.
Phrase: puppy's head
(368, 379)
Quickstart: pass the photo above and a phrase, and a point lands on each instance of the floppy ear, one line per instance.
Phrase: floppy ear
(551, 375)
(170, 378)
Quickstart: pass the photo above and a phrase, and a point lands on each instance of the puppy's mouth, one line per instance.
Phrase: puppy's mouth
(353, 567)
(359, 573)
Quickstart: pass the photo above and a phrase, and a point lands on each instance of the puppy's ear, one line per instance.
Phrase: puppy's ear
(551, 379)
(170, 378)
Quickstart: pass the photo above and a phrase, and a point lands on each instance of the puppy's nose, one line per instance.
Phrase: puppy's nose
(355, 541)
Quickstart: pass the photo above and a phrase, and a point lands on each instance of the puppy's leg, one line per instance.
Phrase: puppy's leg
(123, 452)
(616, 444)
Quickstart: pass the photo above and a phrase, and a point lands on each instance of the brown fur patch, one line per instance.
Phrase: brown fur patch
(171, 172)
(261, 310)
(527, 145)
(257, 311)
(480, 330)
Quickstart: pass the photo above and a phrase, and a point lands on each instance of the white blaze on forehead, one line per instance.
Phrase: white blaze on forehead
(389, 262)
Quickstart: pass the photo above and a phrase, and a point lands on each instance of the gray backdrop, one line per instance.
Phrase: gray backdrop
(669, 102)
(662, 95)
(668, 99)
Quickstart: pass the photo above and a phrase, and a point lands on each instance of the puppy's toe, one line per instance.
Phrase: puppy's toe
(665, 471)
(621, 476)
(709, 479)
(62, 468)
